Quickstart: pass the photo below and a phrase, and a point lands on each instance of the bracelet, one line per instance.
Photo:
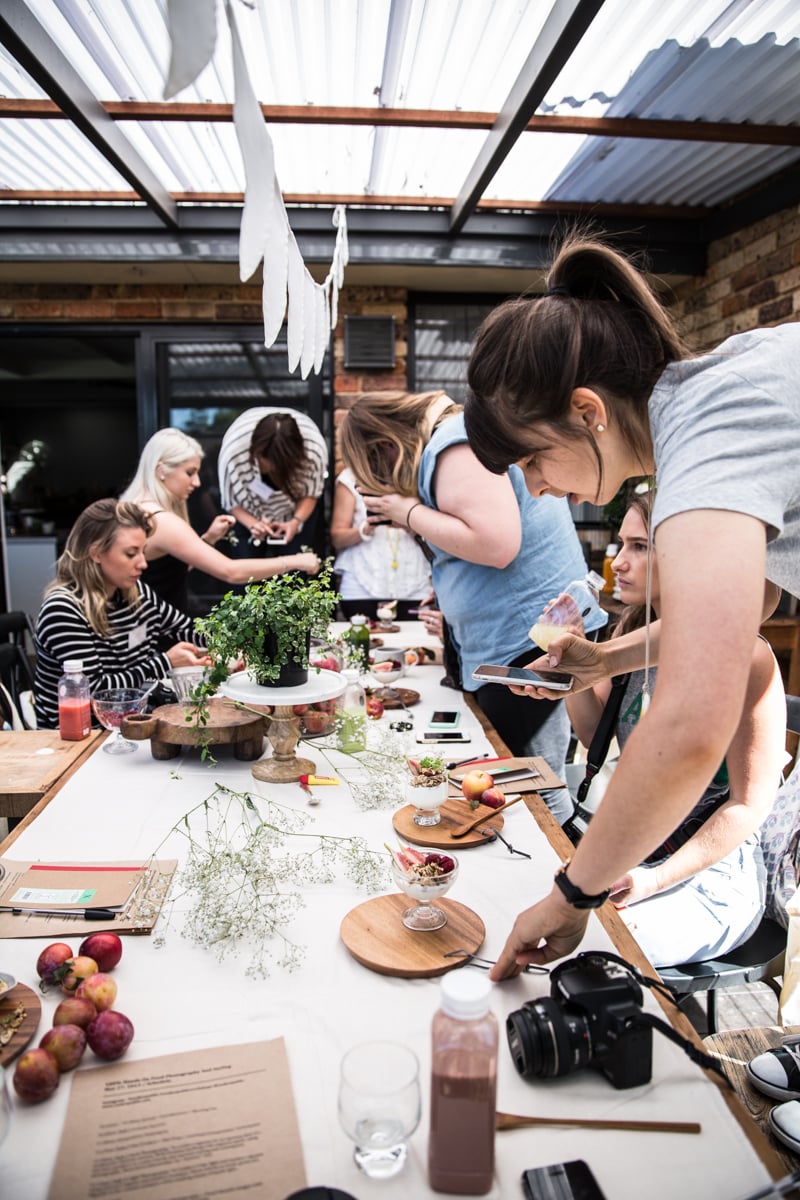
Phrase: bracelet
(365, 537)
(300, 523)
(408, 514)
(574, 895)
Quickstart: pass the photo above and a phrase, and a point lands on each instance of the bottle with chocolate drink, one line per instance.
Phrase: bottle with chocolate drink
(463, 1087)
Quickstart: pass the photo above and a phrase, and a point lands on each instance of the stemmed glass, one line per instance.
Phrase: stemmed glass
(386, 666)
(379, 1105)
(424, 887)
(111, 706)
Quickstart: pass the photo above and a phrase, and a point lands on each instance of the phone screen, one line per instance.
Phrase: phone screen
(437, 735)
(520, 676)
(562, 1181)
(444, 719)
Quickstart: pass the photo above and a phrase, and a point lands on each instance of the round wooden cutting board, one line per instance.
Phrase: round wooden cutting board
(30, 1022)
(454, 813)
(376, 937)
(404, 699)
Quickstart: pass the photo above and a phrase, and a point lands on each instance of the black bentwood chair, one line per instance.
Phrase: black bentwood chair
(758, 960)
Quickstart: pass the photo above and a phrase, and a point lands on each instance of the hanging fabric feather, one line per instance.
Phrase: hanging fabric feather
(192, 28)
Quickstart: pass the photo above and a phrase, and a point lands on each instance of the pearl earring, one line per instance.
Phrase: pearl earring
(600, 428)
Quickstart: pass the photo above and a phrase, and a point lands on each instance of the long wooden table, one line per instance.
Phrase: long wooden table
(180, 997)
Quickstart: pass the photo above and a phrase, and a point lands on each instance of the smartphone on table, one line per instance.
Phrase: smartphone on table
(556, 681)
(562, 1181)
(432, 736)
(444, 718)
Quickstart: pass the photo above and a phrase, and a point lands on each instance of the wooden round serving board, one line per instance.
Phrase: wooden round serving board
(454, 813)
(376, 937)
(27, 1027)
(168, 729)
(405, 697)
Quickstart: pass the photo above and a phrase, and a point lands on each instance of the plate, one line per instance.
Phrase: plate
(454, 813)
(376, 937)
(30, 1022)
(405, 697)
(321, 685)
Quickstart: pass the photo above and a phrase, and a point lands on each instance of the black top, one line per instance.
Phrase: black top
(167, 577)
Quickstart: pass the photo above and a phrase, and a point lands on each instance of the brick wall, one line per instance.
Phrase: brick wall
(753, 279)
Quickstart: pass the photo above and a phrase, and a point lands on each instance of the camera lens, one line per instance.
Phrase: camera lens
(546, 1039)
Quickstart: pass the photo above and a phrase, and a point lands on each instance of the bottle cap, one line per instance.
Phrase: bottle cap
(465, 994)
(358, 619)
(612, 550)
(73, 664)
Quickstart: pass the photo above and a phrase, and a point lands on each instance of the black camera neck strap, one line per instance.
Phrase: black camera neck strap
(606, 727)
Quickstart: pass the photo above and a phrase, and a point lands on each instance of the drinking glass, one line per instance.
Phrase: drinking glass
(379, 1105)
(111, 706)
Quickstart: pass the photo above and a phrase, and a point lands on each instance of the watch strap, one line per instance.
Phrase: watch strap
(573, 893)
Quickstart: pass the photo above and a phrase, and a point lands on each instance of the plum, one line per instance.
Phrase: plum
(70, 973)
(66, 1043)
(99, 989)
(35, 1075)
(493, 797)
(50, 961)
(75, 1011)
(110, 1034)
(104, 948)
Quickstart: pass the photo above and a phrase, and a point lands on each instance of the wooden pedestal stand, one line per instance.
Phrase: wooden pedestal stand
(283, 728)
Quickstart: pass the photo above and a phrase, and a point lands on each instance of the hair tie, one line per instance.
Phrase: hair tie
(558, 290)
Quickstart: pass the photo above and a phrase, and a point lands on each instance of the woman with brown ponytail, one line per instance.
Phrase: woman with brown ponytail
(590, 385)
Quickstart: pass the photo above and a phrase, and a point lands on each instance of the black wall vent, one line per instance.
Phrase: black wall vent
(369, 343)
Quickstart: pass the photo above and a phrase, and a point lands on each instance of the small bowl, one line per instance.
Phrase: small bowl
(185, 680)
(7, 982)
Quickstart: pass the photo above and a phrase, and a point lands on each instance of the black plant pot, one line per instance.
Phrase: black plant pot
(292, 672)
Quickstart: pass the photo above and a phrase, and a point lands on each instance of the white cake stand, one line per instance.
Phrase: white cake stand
(283, 727)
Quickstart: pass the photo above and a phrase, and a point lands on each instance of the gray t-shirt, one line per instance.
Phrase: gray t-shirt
(726, 435)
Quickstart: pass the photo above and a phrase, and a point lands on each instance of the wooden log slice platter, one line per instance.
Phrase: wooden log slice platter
(454, 814)
(376, 937)
(168, 729)
(404, 697)
(24, 1031)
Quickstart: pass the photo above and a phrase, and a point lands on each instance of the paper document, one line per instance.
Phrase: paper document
(68, 887)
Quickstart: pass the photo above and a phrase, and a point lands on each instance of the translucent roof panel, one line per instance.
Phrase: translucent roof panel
(709, 60)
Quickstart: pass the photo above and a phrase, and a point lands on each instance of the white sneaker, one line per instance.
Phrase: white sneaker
(777, 1073)
(784, 1121)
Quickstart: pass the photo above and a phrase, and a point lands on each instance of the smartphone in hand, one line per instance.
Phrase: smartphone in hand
(556, 681)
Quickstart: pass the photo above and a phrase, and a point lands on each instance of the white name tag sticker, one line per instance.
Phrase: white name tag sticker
(137, 636)
(261, 489)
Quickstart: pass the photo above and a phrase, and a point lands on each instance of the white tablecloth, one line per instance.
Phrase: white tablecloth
(180, 998)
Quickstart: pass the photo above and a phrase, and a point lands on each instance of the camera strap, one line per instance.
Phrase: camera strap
(595, 757)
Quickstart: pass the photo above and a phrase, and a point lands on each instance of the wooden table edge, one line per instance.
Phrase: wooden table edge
(93, 742)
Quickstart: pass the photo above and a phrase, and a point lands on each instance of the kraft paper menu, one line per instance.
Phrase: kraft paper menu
(204, 1123)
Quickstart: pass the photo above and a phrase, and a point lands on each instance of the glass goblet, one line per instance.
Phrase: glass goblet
(379, 1105)
(385, 668)
(111, 706)
(426, 802)
(425, 886)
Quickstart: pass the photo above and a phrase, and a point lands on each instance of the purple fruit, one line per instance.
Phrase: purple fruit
(110, 1034)
(35, 1076)
(66, 1043)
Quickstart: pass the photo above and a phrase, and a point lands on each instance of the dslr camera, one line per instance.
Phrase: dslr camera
(592, 1018)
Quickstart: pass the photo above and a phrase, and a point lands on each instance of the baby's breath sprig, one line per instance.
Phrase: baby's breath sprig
(384, 761)
(245, 869)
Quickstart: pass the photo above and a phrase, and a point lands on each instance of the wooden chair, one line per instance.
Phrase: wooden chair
(758, 960)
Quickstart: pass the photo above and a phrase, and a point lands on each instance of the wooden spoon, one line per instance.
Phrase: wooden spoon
(512, 1121)
(463, 830)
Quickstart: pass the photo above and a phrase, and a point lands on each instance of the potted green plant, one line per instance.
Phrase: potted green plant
(269, 626)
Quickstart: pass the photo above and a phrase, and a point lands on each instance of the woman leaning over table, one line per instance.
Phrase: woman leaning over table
(498, 555)
(700, 893)
(167, 474)
(99, 611)
(590, 385)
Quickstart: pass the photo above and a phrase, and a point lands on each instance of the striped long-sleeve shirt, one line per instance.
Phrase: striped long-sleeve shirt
(131, 655)
(240, 482)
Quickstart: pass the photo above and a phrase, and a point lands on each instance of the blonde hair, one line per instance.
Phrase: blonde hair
(383, 435)
(76, 571)
(167, 448)
(598, 325)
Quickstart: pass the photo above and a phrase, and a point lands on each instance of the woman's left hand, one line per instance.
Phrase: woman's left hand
(634, 886)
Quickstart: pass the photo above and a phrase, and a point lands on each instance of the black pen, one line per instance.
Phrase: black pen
(100, 914)
(474, 758)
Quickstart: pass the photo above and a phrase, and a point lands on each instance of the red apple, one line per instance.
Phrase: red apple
(50, 960)
(35, 1075)
(299, 709)
(110, 1034)
(493, 797)
(474, 784)
(75, 1011)
(316, 722)
(104, 948)
(374, 708)
(66, 1043)
(74, 970)
(100, 990)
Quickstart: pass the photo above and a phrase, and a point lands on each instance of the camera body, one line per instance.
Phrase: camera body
(592, 1018)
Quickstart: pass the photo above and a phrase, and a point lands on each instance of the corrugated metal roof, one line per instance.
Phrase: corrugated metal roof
(673, 59)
